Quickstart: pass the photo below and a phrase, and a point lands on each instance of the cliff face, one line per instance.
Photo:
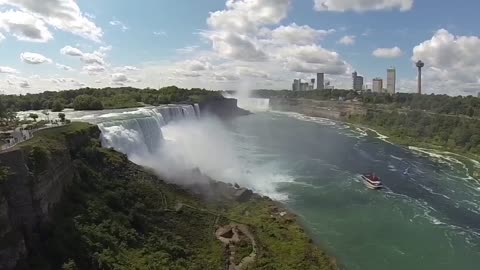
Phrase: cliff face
(32, 188)
(224, 108)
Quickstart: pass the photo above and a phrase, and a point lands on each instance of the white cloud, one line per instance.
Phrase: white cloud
(8, 70)
(34, 58)
(347, 40)
(24, 84)
(251, 72)
(93, 58)
(160, 33)
(300, 35)
(452, 63)
(61, 14)
(312, 59)
(119, 77)
(64, 67)
(126, 69)
(394, 52)
(24, 26)
(196, 65)
(92, 69)
(90, 16)
(187, 49)
(118, 23)
(2, 37)
(235, 46)
(362, 5)
(71, 51)
(244, 16)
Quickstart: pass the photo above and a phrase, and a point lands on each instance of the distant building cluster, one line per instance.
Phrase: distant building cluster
(298, 85)
(377, 83)
(358, 82)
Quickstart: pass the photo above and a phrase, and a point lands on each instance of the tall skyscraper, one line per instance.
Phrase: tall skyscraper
(391, 80)
(357, 82)
(296, 85)
(377, 85)
(320, 81)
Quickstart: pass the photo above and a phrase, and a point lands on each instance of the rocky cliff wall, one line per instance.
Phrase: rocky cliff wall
(224, 108)
(33, 186)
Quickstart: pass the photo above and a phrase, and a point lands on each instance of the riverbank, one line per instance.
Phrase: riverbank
(354, 113)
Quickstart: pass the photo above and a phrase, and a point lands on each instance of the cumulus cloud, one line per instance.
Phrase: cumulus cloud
(394, 52)
(312, 59)
(93, 69)
(93, 58)
(119, 24)
(126, 69)
(119, 78)
(24, 26)
(300, 35)
(251, 72)
(24, 84)
(34, 58)
(235, 46)
(347, 40)
(362, 5)
(61, 14)
(8, 70)
(195, 65)
(71, 51)
(244, 16)
(64, 67)
(453, 61)
(2, 37)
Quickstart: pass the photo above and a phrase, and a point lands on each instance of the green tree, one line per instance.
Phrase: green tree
(86, 103)
(34, 116)
(57, 106)
(62, 117)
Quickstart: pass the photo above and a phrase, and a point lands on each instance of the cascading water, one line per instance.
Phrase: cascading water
(173, 141)
(139, 133)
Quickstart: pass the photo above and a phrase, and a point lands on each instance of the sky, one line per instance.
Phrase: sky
(236, 44)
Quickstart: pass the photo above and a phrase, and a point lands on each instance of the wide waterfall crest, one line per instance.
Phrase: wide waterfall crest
(139, 133)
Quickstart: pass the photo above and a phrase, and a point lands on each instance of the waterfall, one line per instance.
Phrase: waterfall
(254, 104)
(140, 134)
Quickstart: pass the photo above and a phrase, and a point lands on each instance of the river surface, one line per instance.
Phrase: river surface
(427, 217)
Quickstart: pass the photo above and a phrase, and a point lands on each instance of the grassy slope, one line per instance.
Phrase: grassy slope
(118, 216)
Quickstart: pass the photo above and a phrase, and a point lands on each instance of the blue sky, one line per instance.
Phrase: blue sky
(236, 44)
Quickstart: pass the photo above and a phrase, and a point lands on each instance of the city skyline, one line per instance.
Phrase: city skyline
(235, 44)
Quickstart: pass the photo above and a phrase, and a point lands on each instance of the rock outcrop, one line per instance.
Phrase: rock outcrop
(29, 193)
(224, 108)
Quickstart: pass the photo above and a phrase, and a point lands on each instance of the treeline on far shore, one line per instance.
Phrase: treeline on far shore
(440, 104)
(105, 98)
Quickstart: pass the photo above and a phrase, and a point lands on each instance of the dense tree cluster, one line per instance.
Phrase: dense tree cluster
(109, 98)
(413, 127)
